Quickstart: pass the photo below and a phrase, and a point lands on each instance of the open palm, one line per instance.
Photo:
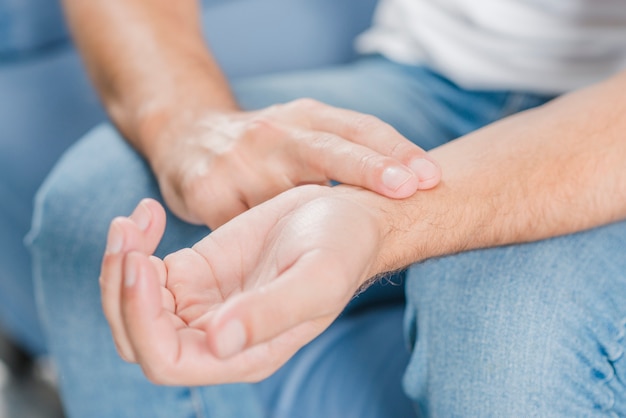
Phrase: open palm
(244, 299)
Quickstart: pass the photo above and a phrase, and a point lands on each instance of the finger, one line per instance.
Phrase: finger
(160, 268)
(172, 354)
(150, 329)
(375, 134)
(258, 316)
(149, 217)
(110, 278)
(140, 232)
(191, 277)
(347, 162)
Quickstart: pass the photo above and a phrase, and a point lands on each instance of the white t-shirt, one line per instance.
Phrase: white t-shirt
(547, 46)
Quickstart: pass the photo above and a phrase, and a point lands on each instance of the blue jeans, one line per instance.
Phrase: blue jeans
(45, 104)
(530, 330)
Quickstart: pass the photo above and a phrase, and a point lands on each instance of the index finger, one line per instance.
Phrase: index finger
(373, 133)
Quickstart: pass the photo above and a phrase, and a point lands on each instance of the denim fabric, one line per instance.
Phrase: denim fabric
(45, 105)
(18, 314)
(478, 321)
(536, 330)
(29, 25)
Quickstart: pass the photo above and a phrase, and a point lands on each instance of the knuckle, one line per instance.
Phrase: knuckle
(369, 164)
(261, 126)
(260, 134)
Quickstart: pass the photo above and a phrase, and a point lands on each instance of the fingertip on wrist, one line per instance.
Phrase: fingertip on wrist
(400, 181)
(427, 171)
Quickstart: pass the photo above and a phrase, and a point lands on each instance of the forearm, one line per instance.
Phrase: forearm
(553, 170)
(145, 57)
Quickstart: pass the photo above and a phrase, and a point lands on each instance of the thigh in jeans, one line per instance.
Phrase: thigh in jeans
(534, 330)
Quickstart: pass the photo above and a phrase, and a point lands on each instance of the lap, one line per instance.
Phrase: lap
(102, 177)
(353, 370)
(45, 104)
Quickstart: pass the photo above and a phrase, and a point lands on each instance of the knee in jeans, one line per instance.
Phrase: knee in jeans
(97, 179)
(520, 328)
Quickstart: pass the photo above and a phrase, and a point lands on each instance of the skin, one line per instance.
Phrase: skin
(241, 301)
(212, 159)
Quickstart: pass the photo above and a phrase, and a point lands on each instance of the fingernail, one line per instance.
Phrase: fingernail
(142, 216)
(115, 240)
(231, 339)
(130, 272)
(394, 177)
(425, 169)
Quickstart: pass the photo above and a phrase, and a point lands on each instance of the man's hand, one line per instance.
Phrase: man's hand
(243, 300)
(212, 166)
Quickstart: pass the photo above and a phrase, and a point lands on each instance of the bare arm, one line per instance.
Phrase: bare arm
(145, 57)
(554, 170)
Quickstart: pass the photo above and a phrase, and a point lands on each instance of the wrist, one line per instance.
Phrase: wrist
(398, 230)
(143, 101)
(428, 224)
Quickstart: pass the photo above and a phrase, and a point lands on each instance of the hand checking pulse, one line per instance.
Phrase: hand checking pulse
(212, 166)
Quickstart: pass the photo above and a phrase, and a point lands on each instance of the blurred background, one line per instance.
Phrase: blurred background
(46, 103)
(26, 386)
